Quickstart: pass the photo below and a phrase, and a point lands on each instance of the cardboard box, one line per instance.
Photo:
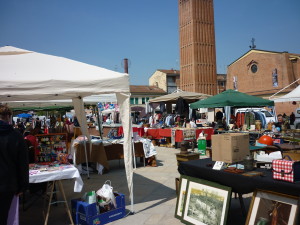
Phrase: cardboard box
(230, 147)
(87, 214)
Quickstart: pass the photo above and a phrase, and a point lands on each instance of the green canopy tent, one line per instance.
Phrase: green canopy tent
(231, 98)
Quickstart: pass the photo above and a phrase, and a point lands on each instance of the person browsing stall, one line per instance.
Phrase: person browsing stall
(14, 170)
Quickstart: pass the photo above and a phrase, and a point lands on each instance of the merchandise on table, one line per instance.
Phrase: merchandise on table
(37, 168)
(51, 145)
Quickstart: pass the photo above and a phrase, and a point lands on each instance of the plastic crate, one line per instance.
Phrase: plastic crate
(87, 214)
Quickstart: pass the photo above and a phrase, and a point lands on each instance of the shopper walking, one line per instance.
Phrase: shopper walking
(14, 174)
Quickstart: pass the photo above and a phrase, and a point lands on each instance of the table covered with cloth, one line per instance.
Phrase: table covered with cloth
(202, 169)
(159, 133)
(68, 172)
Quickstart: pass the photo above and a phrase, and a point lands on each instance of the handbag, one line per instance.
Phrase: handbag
(286, 170)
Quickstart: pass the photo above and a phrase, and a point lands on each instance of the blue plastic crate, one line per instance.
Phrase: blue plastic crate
(87, 214)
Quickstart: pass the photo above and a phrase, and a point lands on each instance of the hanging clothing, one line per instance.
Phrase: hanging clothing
(151, 121)
(240, 119)
(249, 119)
(162, 107)
(181, 106)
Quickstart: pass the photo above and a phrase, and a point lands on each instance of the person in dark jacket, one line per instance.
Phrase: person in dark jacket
(14, 171)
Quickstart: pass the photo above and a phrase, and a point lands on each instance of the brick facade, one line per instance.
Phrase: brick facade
(197, 46)
(263, 73)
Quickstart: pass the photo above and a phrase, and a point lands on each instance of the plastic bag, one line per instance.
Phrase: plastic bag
(107, 193)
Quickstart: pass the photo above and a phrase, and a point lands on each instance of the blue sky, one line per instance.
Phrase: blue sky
(103, 33)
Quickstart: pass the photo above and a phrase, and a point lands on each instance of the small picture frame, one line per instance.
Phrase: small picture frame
(181, 197)
(206, 203)
(272, 208)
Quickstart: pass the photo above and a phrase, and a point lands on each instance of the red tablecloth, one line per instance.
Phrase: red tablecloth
(154, 133)
(165, 132)
(208, 131)
(139, 130)
(161, 133)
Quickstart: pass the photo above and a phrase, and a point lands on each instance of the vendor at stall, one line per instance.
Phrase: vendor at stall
(29, 135)
(282, 124)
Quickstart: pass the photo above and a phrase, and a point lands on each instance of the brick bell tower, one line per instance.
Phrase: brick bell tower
(197, 46)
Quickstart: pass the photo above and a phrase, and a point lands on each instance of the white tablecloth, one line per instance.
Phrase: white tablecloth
(66, 173)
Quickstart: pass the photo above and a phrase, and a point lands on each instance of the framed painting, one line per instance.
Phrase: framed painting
(272, 208)
(181, 196)
(206, 203)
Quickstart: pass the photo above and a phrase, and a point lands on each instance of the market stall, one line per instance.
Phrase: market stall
(103, 153)
(32, 76)
(231, 98)
(173, 97)
(179, 134)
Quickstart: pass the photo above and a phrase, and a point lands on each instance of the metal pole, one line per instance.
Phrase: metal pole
(133, 149)
(99, 120)
(86, 159)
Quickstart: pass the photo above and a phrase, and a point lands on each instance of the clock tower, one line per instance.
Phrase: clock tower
(197, 46)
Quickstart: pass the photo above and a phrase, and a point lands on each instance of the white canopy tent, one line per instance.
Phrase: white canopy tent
(294, 95)
(32, 76)
(188, 96)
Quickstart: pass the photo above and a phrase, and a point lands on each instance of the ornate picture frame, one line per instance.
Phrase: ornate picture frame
(272, 208)
(206, 202)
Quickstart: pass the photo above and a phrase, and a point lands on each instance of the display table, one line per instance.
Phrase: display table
(159, 133)
(241, 184)
(55, 177)
(207, 131)
(102, 154)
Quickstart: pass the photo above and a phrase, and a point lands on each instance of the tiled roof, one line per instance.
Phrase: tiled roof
(170, 71)
(146, 89)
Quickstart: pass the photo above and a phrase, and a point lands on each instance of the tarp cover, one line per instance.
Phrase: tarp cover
(188, 96)
(231, 98)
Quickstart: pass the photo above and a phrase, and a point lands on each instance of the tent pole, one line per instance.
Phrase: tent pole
(99, 121)
(86, 159)
(134, 161)
(133, 149)
(131, 200)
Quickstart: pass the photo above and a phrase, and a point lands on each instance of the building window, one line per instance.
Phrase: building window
(221, 83)
(136, 101)
(254, 68)
(143, 101)
(147, 99)
(131, 101)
